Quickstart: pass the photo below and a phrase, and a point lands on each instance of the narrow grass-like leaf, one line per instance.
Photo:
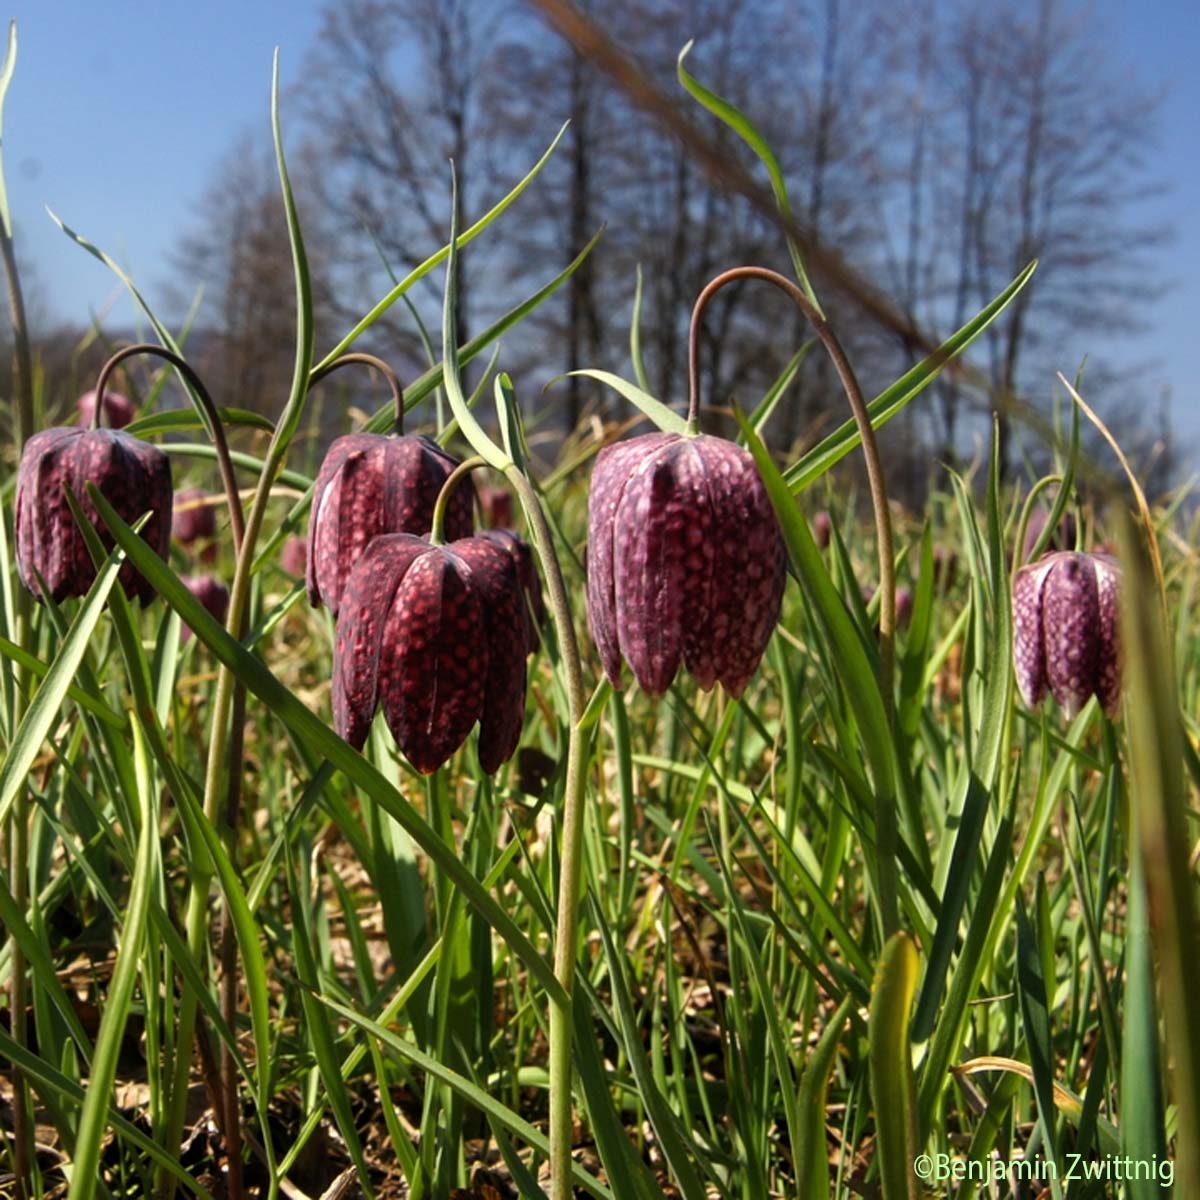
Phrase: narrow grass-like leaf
(322, 740)
(184, 420)
(1141, 1089)
(666, 1125)
(54, 1080)
(812, 1154)
(94, 1119)
(745, 129)
(493, 1109)
(664, 418)
(1163, 839)
(1035, 1023)
(85, 699)
(419, 272)
(893, 1094)
(845, 439)
(317, 1028)
(6, 76)
(44, 707)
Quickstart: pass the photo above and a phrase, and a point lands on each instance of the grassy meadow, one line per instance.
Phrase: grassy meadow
(873, 929)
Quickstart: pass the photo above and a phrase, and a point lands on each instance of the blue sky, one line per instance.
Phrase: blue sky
(119, 112)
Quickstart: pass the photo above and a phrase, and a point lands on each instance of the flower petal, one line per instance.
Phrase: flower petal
(1071, 630)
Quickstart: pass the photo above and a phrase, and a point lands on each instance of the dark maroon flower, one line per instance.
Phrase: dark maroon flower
(118, 409)
(133, 476)
(685, 561)
(1062, 538)
(368, 485)
(497, 506)
(193, 517)
(212, 593)
(534, 608)
(435, 636)
(1065, 630)
(822, 527)
(293, 558)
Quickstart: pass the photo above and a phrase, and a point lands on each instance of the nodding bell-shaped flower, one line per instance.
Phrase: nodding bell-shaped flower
(212, 593)
(132, 475)
(1065, 630)
(192, 517)
(1062, 537)
(434, 635)
(372, 484)
(293, 558)
(685, 561)
(118, 409)
(534, 607)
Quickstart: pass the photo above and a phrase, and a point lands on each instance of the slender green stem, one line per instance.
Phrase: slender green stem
(883, 520)
(371, 361)
(437, 526)
(570, 879)
(16, 837)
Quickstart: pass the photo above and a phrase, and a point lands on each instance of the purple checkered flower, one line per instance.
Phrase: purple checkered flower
(685, 561)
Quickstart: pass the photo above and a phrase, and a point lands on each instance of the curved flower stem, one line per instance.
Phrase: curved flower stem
(438, 523)
(197, 928)
(883, 520)
(369, 360)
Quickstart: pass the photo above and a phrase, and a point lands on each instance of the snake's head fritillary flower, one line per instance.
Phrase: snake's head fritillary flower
(497, 506)
(685, 561)
(435, 636)
(133, 476)
(1065, 630)
(118, 409)
(293, 558)
(370, 484)
(194, 518)
(212, 593)
(522, 555)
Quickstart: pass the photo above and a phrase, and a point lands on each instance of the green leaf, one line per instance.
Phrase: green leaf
(742, 126)
(809, 468)
(183, 420)
(6, 75)
(812, 1155)
(440, 256)
(322, 740)
(890, 1057)
(663, 417)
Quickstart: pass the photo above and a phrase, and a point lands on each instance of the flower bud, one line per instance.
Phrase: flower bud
(212, 593)
(685, 561)
(293, 558)
(435, 636)
(118, 410)
(534, 607)
(497, 506)
(133, 476)
(1065, 630)
(369, 485)
(193, 518)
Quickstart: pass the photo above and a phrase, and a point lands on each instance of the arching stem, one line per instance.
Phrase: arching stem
(369, 360)
(197, 928)
(438, 524)
(883, 520)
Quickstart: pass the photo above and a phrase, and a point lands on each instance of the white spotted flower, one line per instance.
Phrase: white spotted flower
(1065, 630)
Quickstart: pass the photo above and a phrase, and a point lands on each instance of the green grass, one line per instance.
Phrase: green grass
(743, 1021)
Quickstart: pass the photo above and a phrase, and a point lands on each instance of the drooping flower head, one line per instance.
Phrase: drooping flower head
(293, 558)
(370, 484)
(534, 607)
(118, 409)
(132, 475)
(212, 593)
(497, 507)
(193, 517)
(1065, 630)
(685, 561)
(436, 637)
(822, 529)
